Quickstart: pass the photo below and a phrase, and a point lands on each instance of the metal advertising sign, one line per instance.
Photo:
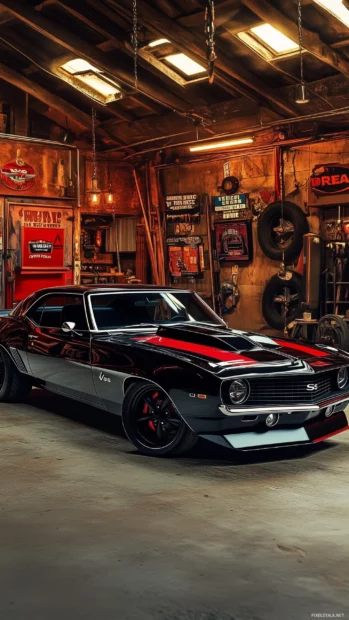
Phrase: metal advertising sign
(17, 175)
(182, 203)
(42, 239)
(234, 241)
(330, 179)
(231, 207)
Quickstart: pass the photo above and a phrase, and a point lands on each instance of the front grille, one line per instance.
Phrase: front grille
(292, 390)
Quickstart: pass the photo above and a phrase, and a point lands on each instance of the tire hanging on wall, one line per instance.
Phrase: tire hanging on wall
(282, 296)
(277, 235)
(333, 332)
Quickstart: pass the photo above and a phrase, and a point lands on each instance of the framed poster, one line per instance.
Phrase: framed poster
(234, 240)
(184, 256)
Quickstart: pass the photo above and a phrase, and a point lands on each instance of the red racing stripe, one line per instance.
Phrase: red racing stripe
(300, 347)
(198, 349)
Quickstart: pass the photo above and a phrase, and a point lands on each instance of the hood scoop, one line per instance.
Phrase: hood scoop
(214, 336)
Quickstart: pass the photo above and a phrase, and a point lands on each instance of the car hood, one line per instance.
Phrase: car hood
(220, 350)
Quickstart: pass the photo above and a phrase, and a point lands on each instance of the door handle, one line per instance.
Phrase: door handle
(31, 337)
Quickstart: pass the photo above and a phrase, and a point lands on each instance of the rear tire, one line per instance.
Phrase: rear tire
(14, 386)
(153, 424)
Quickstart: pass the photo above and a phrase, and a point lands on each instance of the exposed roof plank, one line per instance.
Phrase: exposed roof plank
(311, 40)
(77, 46)
(163, 26)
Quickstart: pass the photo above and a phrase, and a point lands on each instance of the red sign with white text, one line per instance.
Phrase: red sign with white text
(18, 175)
(43, 248)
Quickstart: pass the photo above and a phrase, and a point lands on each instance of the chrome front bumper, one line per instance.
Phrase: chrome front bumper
(339, 403)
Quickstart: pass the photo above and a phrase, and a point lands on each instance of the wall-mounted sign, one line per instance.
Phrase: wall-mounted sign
(185, 256)
(330, 179)
(234, 241)
(231, 207)
(182, 203)
(42, 248)
(42, 238)
(40, 218)
(17, 175)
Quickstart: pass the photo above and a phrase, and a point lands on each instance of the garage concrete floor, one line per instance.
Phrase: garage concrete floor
(92, 530)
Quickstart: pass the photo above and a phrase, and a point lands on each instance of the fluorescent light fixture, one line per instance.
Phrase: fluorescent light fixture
(78, 65)
(336, 8)
(272, 37)
(158, 42)
(221, 145)
(185, 64)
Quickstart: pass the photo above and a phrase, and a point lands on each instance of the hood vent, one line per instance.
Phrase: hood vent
(214, 336)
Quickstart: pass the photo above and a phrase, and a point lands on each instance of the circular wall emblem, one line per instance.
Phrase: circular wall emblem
(17, 175)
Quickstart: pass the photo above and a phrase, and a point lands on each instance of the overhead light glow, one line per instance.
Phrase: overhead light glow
(158, 42)
(102, 86)
(337, 8)
(82, 73)
(221, 145)
(275, 39)
(185, 64)
(78, 65)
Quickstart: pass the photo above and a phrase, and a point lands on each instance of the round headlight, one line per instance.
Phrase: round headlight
(239, 391)
(342, 378)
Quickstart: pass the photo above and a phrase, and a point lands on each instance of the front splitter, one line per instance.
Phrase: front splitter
(313, 432)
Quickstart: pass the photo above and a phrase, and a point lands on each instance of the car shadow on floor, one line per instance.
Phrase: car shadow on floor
(110, 427)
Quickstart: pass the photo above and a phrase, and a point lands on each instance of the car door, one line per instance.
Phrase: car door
(61, 360)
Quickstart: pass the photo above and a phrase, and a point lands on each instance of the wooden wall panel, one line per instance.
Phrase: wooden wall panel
(121, 180)
(50, 164)
(257, 177)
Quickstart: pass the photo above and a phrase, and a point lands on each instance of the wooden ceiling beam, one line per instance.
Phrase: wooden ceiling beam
(42, 62)
(311, 40)
(120, 71)
(223, 13)
(193, 43)
(38, 92)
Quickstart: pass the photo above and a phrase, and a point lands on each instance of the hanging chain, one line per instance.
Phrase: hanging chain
(300, 37)
(94, 162)
(134, 39)
(210, 40)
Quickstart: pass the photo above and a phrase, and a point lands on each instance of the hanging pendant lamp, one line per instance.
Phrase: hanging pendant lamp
(302, 96)
(94, 193)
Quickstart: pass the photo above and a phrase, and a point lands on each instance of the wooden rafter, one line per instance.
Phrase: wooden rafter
(193, 43)
(311, 40)
(79, 47)
(52, 100)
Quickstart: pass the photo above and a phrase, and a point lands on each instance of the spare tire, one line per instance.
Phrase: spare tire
(282, 299)
(277, 235)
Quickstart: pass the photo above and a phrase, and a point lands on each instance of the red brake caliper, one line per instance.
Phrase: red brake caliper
(146, 410)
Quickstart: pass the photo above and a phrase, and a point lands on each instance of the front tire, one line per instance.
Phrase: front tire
(14, 387)
(153, 424)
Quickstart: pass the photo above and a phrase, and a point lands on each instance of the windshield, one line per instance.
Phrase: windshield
(119, 310)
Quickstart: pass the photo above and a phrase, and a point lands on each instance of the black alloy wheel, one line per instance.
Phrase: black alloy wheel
(153, 424)
(156, 421)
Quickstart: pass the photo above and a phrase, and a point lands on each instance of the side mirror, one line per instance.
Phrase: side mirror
(68, 328)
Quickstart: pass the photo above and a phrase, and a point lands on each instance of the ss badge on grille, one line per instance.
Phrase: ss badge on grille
(312, 387)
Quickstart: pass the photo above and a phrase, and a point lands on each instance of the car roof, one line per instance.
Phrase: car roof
(103, 288)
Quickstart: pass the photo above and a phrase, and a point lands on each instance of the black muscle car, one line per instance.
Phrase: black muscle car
(166, 363)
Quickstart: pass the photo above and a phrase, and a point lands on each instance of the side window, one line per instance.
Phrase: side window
(54, 310)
